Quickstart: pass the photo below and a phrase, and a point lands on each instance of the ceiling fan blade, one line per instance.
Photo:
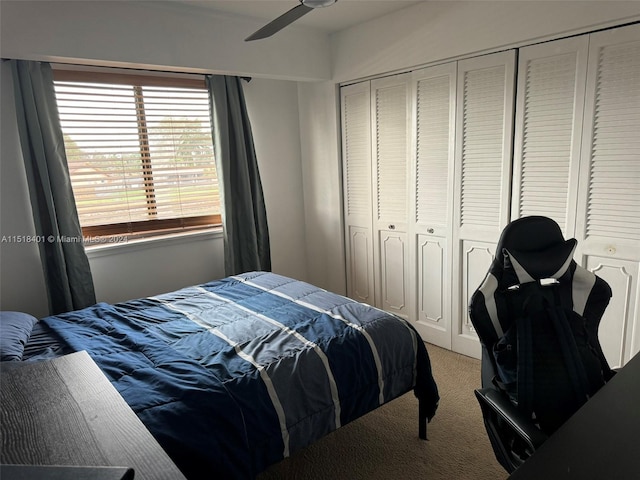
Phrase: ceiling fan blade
(280, 22)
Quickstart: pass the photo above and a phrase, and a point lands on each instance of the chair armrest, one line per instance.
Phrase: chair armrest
(522, 426)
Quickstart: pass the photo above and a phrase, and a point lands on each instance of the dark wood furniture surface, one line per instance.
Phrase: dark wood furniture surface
(600, 441)
(66, 412)
(39, 472)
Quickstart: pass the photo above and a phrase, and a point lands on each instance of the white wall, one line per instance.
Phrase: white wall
(273, 109)
(108, 37)
(158, 35)
(436, 31)
(320, 134)
(135, 270)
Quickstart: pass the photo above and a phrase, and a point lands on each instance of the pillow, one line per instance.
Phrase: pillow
(15, 330)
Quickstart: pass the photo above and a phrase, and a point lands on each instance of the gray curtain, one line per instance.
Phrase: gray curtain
(64, 260)
(244, 217)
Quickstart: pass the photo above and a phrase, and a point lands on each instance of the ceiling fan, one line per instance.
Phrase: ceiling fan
(289, 17)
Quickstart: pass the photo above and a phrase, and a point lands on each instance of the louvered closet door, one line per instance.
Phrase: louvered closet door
(608, 222)
(356, 157)
(484, 134)
(430, 226)
(391, 109)
(549, 108)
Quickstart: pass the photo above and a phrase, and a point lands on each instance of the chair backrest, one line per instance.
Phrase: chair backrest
(531, 254)
(531, 249)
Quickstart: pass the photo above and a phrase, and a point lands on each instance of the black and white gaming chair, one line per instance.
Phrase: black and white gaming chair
(534, 261)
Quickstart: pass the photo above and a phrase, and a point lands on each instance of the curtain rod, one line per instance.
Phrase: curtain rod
(81, 65)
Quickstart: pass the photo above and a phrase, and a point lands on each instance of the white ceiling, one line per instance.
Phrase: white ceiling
(341, 15)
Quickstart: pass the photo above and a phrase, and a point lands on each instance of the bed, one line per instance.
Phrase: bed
(234, 375)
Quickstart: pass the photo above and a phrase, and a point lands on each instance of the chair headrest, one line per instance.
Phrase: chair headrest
(529, 234)
(550, 262)
(534, 248)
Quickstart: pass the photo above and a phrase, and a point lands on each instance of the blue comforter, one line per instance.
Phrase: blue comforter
(233, 375)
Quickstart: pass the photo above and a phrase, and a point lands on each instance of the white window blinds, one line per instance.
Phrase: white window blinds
(140, 151)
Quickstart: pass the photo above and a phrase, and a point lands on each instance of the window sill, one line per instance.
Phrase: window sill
(115, 245)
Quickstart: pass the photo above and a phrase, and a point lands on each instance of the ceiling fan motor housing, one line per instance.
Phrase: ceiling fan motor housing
(318, 3)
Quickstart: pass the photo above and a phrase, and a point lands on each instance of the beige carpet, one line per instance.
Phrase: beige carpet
(385, 445)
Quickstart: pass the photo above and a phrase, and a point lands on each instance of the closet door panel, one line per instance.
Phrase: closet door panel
(391, 120)
(618, 333)
(549, 110)
(393, 272)
(608, 220)
(360, 255)
(433, 304)
(476, 260)
(356, 157)
(430, 226)
(484, 134)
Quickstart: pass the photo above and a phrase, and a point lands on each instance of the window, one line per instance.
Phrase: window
(140, 152)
